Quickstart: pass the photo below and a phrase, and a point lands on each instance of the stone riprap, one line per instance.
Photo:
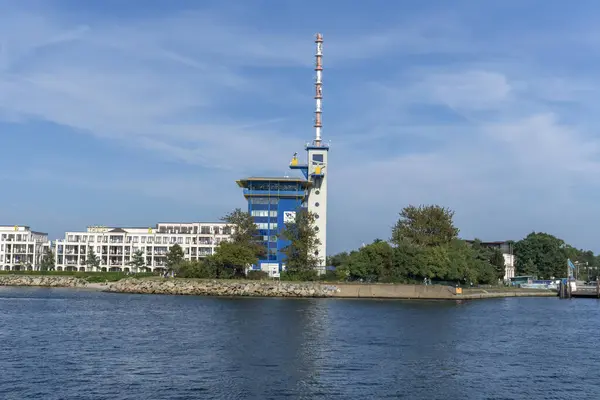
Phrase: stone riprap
(42, 280)
(221, 288)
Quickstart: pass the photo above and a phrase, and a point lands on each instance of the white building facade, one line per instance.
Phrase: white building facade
(115, 246)
(509, 266)
(21, 249)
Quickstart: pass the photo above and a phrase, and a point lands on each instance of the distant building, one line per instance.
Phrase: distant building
(115, 246)
(506, 247)
(21, 249)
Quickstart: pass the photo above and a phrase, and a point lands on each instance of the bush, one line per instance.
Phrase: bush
(330, 276)
(300, 276)
(196, 269)
(257, 275)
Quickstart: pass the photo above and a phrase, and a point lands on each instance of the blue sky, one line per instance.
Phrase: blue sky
(135, 112)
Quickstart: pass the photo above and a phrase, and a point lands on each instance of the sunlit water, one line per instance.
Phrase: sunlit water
(69, 344)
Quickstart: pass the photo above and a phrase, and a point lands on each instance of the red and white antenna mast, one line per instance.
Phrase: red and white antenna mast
(318, 87)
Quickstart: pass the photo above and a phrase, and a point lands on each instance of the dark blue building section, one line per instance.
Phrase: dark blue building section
(272, 202)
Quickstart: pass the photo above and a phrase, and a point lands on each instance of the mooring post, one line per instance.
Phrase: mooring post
(562, 290)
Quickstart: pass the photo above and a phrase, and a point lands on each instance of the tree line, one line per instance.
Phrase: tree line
(545, 256)
(424, 246)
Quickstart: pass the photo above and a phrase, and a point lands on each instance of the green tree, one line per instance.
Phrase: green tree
(480, 252)
(48, 262)
(407, 263)
(587, 260)
(301, 254)
(174, 257)
(425, 226)
(92, 260)
(454, 262)
(244, 231)
(338, 260)
(463, 263)
(488, 262)
(137, 260)
(371, 263)
(541, 254)
(232, 259)
(497, 261)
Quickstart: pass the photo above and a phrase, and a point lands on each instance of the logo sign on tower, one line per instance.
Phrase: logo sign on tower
(289, 217)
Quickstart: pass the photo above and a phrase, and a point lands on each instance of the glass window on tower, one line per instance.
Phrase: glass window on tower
(317, 158)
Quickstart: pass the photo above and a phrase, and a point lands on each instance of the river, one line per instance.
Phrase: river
(77, 344)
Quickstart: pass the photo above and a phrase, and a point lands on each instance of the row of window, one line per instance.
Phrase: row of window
(157, 251)
(264, 213)
(18, 249)
(20, 237)
(269, 238)
(185, 230)
(73, 249)
(265, 225)
(276, 186)
(138, 239)
(16, 259)
(264, 200)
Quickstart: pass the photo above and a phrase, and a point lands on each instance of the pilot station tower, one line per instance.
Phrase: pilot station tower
(273, 202)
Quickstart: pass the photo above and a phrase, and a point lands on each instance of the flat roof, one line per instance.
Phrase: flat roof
(190, 223)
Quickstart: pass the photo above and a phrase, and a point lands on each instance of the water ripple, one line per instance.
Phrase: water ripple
(58, 343)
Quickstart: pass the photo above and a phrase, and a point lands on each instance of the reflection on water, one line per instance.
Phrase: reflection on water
(59, 343)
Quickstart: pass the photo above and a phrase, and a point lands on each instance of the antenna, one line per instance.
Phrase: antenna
(318, 87)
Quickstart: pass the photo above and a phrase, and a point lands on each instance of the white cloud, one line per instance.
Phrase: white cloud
(421, 111)
(509, 166)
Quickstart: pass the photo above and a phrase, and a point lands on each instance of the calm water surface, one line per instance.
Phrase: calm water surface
(70, 344)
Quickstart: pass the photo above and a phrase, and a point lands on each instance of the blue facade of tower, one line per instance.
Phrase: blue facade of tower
(272, 201)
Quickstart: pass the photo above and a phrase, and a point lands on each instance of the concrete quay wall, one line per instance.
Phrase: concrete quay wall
(393, 291)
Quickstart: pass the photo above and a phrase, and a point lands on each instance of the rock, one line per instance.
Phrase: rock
(179, 286)
(42, 280)
(222, 288)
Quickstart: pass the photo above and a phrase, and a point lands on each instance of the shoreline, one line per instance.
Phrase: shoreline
(227, 288)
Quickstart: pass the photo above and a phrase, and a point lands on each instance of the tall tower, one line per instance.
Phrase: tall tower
(317, 162)
(318, 87)
(315, 170)
(274, 202)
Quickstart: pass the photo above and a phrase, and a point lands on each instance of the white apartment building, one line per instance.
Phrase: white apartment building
(115, 246)
(21, 248)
